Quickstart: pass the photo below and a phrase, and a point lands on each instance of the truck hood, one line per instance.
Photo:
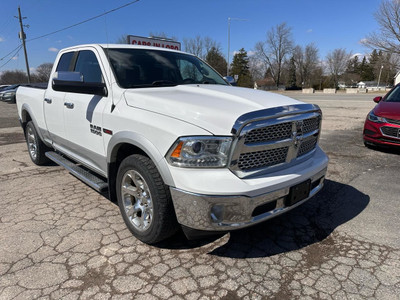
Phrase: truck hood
(214, 108)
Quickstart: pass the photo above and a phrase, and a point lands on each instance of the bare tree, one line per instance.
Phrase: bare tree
(298, 55)
(123, 39)
(42, 72)
(274, 49)
(257, 67)
(306, 61)
(194, 45)
(209, 44)
(388, 37)
(200, 46)
(337, 61)
(13, 77)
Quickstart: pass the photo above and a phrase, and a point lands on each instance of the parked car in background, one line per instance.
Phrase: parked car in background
(8, 94)
(382, 126)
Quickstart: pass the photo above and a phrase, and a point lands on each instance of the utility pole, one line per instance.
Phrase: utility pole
(379, 78)
(229, 44)
(22, 36)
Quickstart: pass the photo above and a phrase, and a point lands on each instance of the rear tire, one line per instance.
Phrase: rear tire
(36, 147)
(144, 200)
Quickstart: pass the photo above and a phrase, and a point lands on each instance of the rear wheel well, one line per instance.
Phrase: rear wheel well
(25, 118)
(119, 153)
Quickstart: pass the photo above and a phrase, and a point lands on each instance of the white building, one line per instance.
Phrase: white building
(397, 78)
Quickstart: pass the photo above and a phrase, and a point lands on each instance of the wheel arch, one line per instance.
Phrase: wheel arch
(26, 116)
(124, 144)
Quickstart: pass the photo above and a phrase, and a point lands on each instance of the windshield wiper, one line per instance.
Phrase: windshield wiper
(163, 83)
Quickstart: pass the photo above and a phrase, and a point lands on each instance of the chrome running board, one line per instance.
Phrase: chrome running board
(88, 177)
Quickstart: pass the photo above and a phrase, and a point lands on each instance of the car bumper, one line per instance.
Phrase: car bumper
(385, 134)
(8, 98)
(228, 212)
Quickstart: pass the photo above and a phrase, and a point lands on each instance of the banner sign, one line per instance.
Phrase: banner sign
(153, 42)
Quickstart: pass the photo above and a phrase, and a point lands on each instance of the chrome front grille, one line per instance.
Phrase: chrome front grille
(391, 131)
(311, 124)
(259, 159)
(270, 133)
(275, 138)
(307, 146)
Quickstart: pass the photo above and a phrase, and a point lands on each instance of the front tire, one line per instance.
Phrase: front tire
(144, 200)
(36, 147)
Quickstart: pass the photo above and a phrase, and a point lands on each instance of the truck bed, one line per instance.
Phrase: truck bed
(32, 98)
(41, 85)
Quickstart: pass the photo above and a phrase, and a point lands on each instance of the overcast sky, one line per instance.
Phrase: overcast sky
(329, 24)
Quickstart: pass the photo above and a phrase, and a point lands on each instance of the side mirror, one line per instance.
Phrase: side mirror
(230, 80)
(72, 82)
(377, 99)
(68, 76)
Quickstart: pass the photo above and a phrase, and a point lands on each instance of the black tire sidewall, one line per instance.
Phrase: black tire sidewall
(32, 126)
(140, 164)
(41, 148)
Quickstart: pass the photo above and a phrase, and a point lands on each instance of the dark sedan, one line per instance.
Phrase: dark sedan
(8, 94)
(382, 126)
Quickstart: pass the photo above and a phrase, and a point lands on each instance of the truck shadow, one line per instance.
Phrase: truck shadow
(305, 225)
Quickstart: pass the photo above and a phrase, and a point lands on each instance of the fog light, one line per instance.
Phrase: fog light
(217, 213)
(369, 132)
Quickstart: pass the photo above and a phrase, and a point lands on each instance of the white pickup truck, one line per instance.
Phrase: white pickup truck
(174, 144)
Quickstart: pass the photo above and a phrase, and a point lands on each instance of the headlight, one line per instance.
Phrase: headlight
(374, 118)
(200, 152)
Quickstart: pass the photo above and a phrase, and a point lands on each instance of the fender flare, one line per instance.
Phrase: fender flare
(25, 109)
(139, 141)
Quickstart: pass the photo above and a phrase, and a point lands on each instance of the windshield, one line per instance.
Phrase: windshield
(394, 95)
(136, 68)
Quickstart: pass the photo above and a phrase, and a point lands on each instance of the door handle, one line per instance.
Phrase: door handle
(48, 100)
(69, 105)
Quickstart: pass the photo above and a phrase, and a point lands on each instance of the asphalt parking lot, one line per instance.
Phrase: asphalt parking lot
(61, 239)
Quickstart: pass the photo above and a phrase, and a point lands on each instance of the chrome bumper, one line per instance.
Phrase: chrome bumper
(225, 213)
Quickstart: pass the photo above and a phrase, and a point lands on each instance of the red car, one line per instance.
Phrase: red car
(382, 126)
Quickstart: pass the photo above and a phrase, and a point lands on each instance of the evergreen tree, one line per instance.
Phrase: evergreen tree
(240, 67)
(375, 63)
(354, 66)
(374, 57)
(216, 60)
(352, 75)
(366, 71)
(292, 74)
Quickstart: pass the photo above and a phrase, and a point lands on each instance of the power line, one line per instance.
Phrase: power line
(10, 52)
(85, 21)
(23, 38)
(18, 49)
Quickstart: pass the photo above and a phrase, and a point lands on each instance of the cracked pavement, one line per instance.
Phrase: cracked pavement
(61, 239)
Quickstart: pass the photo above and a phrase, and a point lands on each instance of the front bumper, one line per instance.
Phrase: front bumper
(374, 133)
(225, 213)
